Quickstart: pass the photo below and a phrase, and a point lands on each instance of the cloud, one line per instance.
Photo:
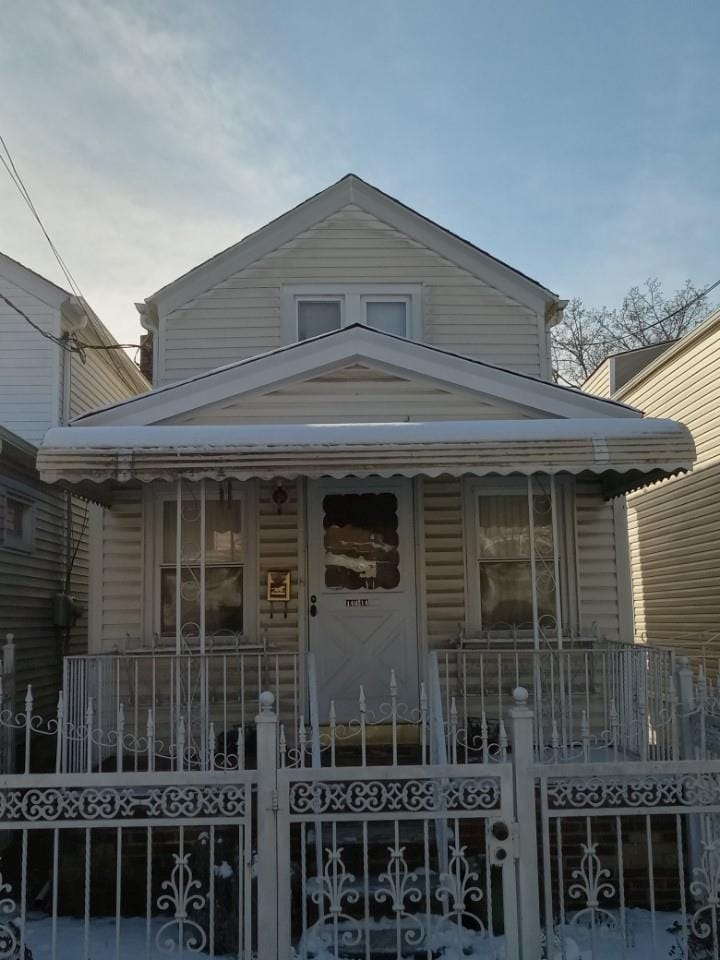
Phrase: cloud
(144, 153)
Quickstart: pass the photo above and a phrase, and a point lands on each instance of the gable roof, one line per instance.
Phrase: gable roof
(32, 282)
(356, 343)
(351, 189)
(674, 347)
(76, 312)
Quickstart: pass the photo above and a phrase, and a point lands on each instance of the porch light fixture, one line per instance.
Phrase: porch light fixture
(279, 496)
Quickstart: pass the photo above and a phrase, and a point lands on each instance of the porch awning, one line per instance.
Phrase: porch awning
(638, 449)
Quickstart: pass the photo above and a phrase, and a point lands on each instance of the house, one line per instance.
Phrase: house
(353, 447)
(353, 513)
(43, 553)
(674, 526)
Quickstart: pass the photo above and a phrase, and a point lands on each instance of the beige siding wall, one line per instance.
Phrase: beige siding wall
(442, 554)
(278, 549)
(597, 563)
(675, 525)
(241, 317)
(356, 393)
(123, 575)
(29, 365)
(598, 383)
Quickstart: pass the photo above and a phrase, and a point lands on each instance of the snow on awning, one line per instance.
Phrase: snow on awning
(623, 445)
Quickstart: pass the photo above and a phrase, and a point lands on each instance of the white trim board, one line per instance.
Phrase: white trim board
(354, 344)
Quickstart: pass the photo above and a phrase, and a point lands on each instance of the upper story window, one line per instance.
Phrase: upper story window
(19, 523)
(312, 310)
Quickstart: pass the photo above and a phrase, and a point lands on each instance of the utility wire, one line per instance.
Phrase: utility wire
(63, 342)
(690, 303)
(73, 343)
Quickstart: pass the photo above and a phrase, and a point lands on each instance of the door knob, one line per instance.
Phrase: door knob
(313, 610)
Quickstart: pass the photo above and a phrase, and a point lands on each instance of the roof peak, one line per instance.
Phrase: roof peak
(351, 188)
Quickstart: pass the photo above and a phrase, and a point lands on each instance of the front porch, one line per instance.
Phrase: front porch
(461, 558)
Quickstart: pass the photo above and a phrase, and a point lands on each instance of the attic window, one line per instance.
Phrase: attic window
(312, 310)
(315, 317)
(387, 315)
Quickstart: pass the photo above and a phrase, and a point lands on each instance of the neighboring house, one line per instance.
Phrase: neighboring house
(674, 527)
(42, 386)
(356, 400)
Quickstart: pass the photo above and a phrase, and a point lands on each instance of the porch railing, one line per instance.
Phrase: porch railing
(603, 700)
(157, 707)
(600, 701)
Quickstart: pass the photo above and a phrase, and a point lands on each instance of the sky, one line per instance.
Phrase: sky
(577, 140)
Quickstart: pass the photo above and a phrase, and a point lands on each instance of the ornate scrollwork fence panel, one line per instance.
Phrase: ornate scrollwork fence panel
(403, 860)
(630, 859)
(99, 865)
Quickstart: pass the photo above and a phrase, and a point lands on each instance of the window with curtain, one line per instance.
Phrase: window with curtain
(504, 551)
(223, 565)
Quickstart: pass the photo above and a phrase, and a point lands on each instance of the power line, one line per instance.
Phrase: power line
(78, 346)
(62, 342)
(690, 303)
(629, 344)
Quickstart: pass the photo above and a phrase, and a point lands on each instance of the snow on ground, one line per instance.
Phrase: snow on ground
(642, 940)
(134, 940)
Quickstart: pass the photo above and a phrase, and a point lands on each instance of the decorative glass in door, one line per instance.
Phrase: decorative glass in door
(361, 541)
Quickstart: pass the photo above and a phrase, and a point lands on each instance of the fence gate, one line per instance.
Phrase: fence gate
(401, 860)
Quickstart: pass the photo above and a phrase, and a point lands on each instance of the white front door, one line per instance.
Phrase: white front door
(361, 592)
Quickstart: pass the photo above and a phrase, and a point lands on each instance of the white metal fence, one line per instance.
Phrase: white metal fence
(394, 834)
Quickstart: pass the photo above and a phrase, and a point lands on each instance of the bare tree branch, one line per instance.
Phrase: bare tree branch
(587, 335)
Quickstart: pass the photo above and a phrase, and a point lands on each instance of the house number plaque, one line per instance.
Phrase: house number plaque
(356, 603)
(278, 590)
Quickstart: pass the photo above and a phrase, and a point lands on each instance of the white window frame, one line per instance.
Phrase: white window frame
(26, 543)
(352, 298)
(473, 489)
(247, 493)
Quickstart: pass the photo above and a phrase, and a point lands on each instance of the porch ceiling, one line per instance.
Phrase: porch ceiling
(631, 451)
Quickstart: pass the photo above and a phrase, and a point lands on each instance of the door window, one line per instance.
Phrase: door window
(361, 542)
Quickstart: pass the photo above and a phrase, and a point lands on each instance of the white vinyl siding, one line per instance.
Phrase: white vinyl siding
(29, 365)
(355, 393)
(241, 317)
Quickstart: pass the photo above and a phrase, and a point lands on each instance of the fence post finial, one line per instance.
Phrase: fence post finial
(270, 939)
